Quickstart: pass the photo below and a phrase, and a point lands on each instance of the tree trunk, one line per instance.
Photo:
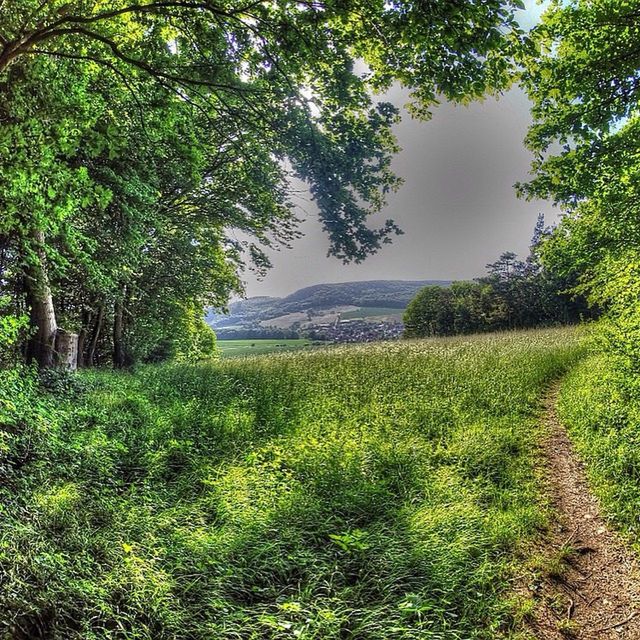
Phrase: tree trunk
(118, 332)
(82, 341)
(97, 330)
(82, 338)
(42, 316)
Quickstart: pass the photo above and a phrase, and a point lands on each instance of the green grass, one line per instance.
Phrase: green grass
(600, 405)
(371, 312)
(376, 492)
(234, 348)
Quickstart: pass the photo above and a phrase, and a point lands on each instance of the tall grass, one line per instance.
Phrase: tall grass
(600, 405)
(373, 492)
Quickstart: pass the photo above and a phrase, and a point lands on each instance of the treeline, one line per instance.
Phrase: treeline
(581, 75)
(515, 294)
(147, 151)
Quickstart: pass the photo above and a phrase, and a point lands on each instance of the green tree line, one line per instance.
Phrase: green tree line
(147, 150)
(514, 294)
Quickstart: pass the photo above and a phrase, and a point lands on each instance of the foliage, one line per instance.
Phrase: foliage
(136, 139)
(582, 77)
(179, 333)
(27, 429)
(12, 330)
(430, 313)
(61, 382)
(514, 294)
(195, 338)
(372, 493)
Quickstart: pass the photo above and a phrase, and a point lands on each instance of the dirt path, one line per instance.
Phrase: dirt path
(587, 582)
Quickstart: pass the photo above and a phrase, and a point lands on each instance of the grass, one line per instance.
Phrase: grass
(371, 312)
(376, 492)
(553, 566)
(234, 348)
(600, 405)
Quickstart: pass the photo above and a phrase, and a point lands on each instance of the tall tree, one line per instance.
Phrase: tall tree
(583, 78)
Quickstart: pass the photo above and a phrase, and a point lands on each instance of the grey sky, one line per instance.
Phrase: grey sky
(457, 207)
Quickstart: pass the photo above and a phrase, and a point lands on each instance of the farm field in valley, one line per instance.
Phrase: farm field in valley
(234, 348)
(376, 492)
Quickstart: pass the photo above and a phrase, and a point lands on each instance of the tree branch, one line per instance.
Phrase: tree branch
(135, 62)
(152, 7)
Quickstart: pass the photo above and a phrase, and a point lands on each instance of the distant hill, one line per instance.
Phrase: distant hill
(318, 300)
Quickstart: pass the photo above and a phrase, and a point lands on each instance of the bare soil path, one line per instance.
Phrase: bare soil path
(587, 585)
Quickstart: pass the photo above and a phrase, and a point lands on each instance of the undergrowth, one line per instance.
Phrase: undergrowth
(375, 492)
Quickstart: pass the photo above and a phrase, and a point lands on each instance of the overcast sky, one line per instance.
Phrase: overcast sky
(457, 206)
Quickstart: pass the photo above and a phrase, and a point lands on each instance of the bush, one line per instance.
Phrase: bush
(13, 329)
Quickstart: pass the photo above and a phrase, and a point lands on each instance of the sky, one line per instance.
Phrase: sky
(457, 207)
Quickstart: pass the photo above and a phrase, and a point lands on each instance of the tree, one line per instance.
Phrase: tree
(430, 313)
(129, 130)
(582, 77)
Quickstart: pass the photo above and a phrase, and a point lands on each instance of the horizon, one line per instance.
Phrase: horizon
(320, 284)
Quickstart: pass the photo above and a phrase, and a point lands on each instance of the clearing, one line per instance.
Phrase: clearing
(375, 492)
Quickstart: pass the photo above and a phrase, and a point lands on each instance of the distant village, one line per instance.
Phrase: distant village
(355, 330)
(339, 331)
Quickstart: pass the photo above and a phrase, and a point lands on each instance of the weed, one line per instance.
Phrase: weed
(568, 627)
(553, 565)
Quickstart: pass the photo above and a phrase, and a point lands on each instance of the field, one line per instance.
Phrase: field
(373, 312)
(376, 492)
(332, 314)
(234, 348)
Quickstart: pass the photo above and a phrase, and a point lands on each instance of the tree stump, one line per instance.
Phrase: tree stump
(66, 350)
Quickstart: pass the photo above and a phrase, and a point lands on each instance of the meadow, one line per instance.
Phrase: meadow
(373, 492)
(234, 348)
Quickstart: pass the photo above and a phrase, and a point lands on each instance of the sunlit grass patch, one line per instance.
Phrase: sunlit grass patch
(600, 405)
(372, 492)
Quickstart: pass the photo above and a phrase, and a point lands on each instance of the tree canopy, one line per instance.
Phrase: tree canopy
(583, 75)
